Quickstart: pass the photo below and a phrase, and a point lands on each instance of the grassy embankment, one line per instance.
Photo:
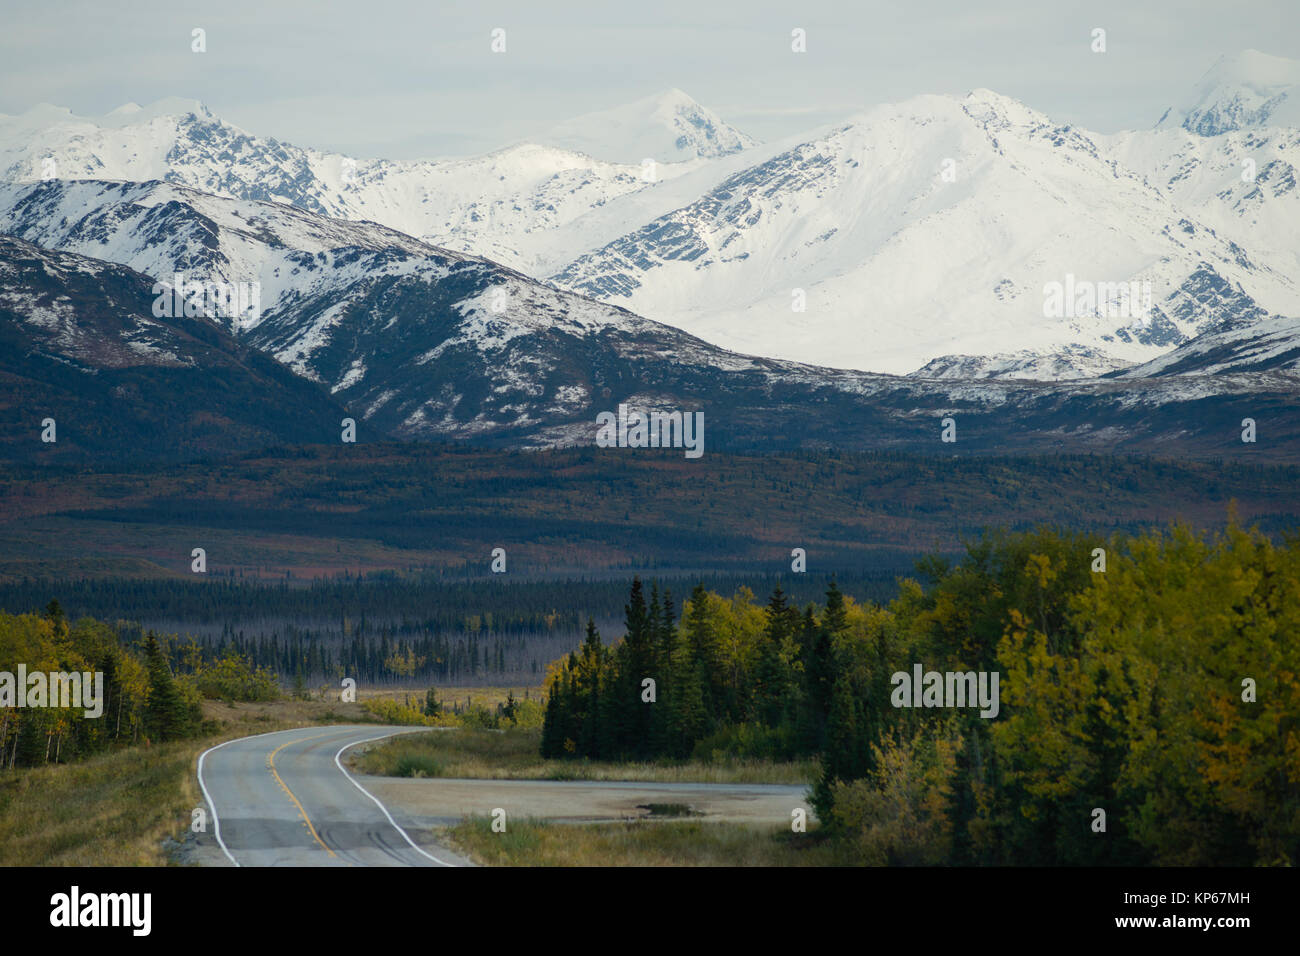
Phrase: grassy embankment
(643, 843)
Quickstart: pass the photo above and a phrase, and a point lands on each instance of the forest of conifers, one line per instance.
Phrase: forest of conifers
(1150, 711)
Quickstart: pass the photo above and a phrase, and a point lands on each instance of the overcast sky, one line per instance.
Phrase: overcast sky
(406, 79)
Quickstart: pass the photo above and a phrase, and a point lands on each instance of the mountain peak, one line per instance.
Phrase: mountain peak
(47, 114)
(167, 106)
(669, 126)
(1243, 89)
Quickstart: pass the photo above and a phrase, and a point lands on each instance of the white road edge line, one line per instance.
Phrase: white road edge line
(216, 821)
(339, 764)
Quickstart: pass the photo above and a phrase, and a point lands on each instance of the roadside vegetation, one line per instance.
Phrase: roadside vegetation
(512, 754)
(647, 843)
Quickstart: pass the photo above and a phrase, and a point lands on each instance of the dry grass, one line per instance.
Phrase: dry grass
(115, 809)
(644, 843)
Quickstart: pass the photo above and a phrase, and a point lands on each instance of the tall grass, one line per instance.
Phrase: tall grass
(114, 809)
(513, 755)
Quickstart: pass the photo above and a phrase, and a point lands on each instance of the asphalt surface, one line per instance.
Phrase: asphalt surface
(284, 799)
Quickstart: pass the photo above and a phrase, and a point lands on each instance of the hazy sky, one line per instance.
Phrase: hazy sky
(408, 79)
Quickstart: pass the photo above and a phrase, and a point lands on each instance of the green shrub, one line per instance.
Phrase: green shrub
(417, 765)
(747, 741)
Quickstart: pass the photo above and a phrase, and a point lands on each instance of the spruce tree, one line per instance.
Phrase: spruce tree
(686, 718)
(820, 668)
(842, 758)
(591, 665)
(706, 653)
(636, 663)
(166, 715)
(551, 720)
(773, 690)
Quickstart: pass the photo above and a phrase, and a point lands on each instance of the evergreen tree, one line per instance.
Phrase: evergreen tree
(772, 676)
(686, 716)
(819, 668)
(843, 758)
(591, 667)
(167, 715)
(636, 663)
(706, 653)
(551, 720)
(432, 708)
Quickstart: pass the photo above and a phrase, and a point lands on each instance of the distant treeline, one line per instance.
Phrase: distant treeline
(1147, 710)
(381, 629)
(408, 603)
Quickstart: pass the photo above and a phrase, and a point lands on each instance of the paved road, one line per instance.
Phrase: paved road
(284, 799)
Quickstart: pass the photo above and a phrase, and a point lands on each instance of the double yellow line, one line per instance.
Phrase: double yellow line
(270, 763)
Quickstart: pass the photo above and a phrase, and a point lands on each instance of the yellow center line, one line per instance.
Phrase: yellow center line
(270, 762)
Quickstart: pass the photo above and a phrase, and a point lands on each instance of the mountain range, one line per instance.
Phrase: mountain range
(783, 288)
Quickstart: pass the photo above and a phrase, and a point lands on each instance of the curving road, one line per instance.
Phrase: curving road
(285, 799)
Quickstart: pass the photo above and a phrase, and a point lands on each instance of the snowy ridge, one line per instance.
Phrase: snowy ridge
(1247, 89)
(898, 265)
(667, 127)
(502, 205)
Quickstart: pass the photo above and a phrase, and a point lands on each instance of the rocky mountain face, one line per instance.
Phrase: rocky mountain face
(80, 346)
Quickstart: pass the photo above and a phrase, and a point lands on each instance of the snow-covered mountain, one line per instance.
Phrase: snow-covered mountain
(920, 237)
(894, 264)
(1245, 89)
(1241, 183)
(506, 205)
(1267, 345)
(668, 127)
(419, 342)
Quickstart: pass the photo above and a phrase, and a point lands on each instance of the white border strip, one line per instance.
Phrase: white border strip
(339, 764)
